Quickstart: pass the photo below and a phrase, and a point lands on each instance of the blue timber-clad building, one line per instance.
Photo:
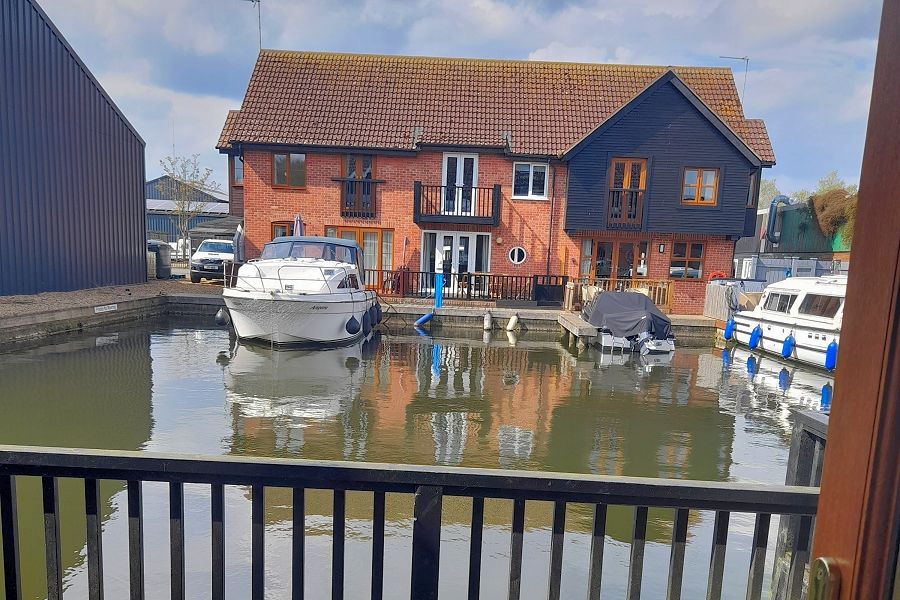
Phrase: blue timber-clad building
(72, 190)
(162, 219)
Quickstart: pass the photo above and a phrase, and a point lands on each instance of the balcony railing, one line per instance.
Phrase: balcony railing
(658, 290)
(358, 198)
(625, 210)
(458, 204)
(428, 486)
(543, 290)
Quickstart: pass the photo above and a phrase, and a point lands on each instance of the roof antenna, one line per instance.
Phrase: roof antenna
(258, 3)
(506, 136)
(417, 133)
(746, 60)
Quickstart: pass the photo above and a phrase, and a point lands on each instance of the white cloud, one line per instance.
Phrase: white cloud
(563, 52)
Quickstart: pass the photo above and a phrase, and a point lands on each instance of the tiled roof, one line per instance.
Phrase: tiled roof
(397, 102)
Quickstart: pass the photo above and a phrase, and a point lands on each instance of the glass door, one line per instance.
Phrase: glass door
(456, 255)
(460, 178)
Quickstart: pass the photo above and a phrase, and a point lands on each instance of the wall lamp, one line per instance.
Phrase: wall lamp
(662, 248)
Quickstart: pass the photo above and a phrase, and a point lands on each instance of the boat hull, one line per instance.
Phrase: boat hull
(296, 319)
(810, 342)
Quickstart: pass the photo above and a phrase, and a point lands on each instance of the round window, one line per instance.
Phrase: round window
(517, 255)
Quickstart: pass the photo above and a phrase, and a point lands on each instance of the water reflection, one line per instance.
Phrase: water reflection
(462, 401)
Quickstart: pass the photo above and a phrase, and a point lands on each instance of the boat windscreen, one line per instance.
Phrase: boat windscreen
(306, 249)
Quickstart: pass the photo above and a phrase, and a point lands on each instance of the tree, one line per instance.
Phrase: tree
(829, 182)
(767, 192)
(185, 186)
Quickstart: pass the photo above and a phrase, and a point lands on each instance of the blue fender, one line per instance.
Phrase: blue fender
(755, 337)
(352, 326)
(424, 319)
(367, 323)
(784, 379)
(831, 355)
(729, 329)
(787, 348)
(752, 365)
(825, 403)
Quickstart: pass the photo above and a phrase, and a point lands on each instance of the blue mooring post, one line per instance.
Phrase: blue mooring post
(439, 290)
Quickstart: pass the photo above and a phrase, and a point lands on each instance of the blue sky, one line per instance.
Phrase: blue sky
(176, 66)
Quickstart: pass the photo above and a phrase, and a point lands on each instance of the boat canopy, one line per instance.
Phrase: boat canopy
(309, 246)
(626, 314)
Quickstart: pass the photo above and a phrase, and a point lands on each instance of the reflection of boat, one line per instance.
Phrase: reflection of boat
(799, 385)
(629, 321)
(292, 385)
(798, 318)
(303, 289)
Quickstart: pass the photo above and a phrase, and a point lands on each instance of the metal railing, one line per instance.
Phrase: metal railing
(543, 289)
(358, 198)
(332, 285)
(456, 204)
(659, 290)
(429, 485)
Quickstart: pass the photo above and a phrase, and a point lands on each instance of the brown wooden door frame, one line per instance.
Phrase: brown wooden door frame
(859, 509)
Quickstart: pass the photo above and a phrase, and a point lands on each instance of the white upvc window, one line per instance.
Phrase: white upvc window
(530, 180)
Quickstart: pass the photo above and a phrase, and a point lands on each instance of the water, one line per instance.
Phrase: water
(181, 386)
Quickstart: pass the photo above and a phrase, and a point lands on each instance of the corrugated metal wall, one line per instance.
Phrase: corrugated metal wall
(158, 223)
(71, 167)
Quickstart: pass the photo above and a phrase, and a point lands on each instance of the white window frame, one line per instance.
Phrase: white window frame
(531, 166)
(457, 202)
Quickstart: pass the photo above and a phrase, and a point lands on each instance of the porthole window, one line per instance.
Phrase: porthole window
(517, 255)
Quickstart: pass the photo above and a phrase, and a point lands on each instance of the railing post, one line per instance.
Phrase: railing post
(417, 201)
(426, 543)
(9, 524)
(495, 204)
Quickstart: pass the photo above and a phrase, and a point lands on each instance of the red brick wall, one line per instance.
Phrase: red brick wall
(523, 223)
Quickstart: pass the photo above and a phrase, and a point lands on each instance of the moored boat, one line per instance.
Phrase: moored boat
(303, 290)
(629, 321)
(797, 319)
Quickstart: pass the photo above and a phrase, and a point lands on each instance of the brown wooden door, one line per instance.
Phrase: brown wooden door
(859, 509)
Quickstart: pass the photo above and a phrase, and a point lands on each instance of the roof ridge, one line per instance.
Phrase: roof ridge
(422, 57)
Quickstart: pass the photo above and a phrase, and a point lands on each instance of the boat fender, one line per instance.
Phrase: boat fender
(825, 403)
(352, 326)
(378, 314)
(718, 275)
(752, 365)
(513, 323)
(424, 319)
(222, 317)
(729, 329)
(373, 315)
(787, 348)
(755, 336)
(487, 321)
(784, 379)
(831, 355)
(367, 323)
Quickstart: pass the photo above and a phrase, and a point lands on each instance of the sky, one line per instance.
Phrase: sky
(175, 67)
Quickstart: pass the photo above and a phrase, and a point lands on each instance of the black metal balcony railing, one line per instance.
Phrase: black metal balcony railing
(625, 209)
(456, 204)
(428, 485)
(358, 198)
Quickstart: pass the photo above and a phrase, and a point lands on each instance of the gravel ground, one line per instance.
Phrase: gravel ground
(20, 305)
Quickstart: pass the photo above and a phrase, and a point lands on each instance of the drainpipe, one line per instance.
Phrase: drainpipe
(552, 203)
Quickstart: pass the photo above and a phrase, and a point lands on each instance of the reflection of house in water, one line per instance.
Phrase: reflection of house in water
(85, 392)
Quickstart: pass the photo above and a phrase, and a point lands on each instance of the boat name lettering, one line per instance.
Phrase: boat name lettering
(318, 307)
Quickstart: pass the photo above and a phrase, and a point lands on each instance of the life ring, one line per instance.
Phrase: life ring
(718, 275)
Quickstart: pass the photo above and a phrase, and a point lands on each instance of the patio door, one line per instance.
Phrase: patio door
(460, 177)
(455, 254)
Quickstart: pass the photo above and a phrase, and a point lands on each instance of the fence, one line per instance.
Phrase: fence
(544, 290)
(428, 485)
(772, 270)
(658, 290)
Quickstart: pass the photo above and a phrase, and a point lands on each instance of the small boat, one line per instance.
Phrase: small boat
(797, 319)
(629, 321)
(303, 290)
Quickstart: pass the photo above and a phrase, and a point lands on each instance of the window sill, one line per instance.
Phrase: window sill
(533, 198)
(290, 188)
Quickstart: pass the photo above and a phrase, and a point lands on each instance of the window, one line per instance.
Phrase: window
(289, 170)
(700, 186)
(780, 302)
(753, 193)
(627, 183)
(377, 245)
(358, 189)
(225, 247)
(530, 180)
(282, 229)
(602, 259)
(817, 305)
(237, 170)
(687, 261)
(517, 255)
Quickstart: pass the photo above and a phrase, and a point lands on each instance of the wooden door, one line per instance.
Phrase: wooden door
(859, 509)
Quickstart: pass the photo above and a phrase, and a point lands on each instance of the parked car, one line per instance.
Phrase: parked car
(208, 262)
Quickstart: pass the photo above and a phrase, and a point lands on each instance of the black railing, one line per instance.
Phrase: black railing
(358, 198)
(456, 204)
(429, 485)
(545, 290)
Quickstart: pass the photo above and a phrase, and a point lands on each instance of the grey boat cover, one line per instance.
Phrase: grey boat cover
(626, 314)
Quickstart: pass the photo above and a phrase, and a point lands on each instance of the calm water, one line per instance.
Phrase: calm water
(181, 386)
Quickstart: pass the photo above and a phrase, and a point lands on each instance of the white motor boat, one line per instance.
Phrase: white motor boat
(629, 321)
(797, 319)
(303, 290)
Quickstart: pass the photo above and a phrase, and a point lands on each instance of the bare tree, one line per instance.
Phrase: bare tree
(767, 192)
(186, 185)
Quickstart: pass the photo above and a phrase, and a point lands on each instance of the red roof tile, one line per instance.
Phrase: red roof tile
(372, 101)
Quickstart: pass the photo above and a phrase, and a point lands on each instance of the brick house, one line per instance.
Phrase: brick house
(609, 172)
